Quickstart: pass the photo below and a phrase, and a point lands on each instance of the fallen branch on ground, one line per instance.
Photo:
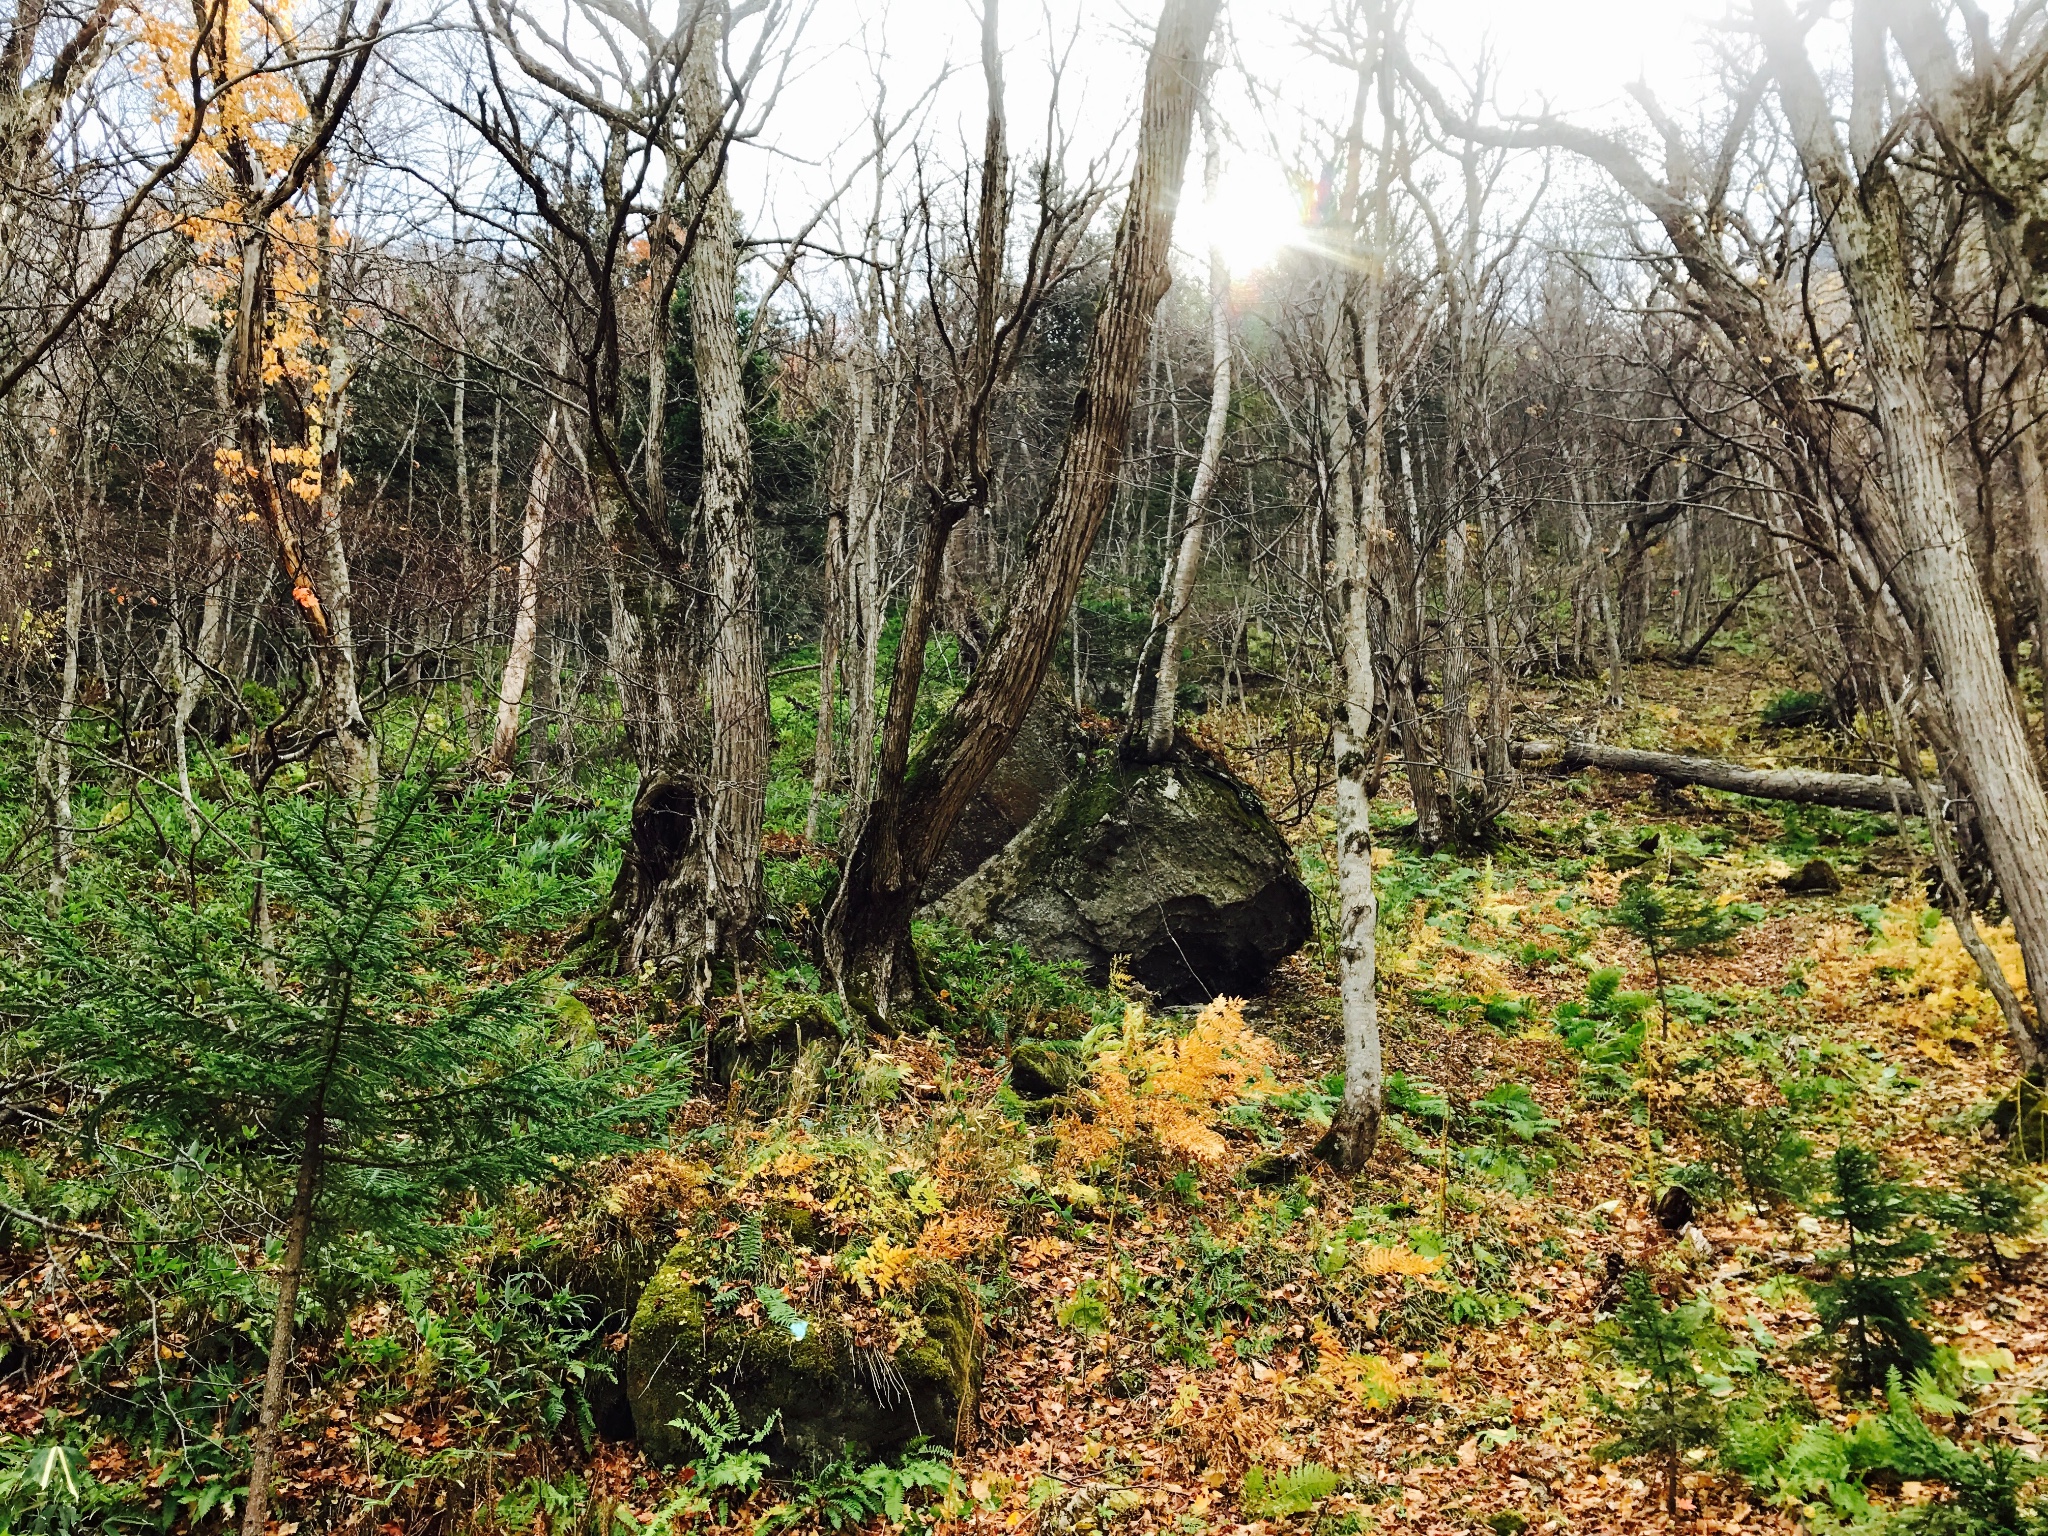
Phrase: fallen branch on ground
(1807, 786)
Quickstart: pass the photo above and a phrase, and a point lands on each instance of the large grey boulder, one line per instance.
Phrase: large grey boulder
(1175, 865)
(1049, 753)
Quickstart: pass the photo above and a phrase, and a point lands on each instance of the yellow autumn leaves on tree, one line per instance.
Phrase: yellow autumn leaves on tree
(255, 122)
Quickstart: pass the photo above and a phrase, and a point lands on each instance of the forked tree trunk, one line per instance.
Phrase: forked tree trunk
(867, 928)
(1935, 570)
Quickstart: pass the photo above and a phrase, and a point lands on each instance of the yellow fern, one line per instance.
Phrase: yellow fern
(1395, 1261)
(961, 1233)
(1169, 1088)
(885, 1267)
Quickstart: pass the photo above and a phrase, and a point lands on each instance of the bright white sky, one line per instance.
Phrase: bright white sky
(1576, 56)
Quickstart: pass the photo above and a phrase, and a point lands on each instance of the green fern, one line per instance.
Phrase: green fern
(1293, 1492)
(729, 1464)
(847, 1495)
(780, 1312)
(746, 1247)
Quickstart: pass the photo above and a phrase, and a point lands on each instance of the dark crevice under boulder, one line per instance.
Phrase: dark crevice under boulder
(1175, 865)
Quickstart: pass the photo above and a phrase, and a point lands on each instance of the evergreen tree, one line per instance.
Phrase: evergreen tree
(1762, 1146)
(1671, 920)
(1681, 1354)
(1884, 1273)
(311, 1022)
(1991, 1206)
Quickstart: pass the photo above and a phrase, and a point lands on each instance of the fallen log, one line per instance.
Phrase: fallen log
(1807, 786)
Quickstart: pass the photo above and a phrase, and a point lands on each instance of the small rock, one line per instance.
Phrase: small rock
(1695, 1243)
(1816, 877)
(1037, 1071)
(1273, 1168)
(1674, 1209)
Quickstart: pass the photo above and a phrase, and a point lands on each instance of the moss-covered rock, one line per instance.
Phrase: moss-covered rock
(2021, 1117)
(1271, 1169)
(1175, 865)
(1038, 1071)
(1049, 752)
(768, 1037)
(826, 1396)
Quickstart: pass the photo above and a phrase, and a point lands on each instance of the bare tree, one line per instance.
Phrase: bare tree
(867, 928)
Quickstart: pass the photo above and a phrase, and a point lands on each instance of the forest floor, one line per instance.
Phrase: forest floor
(1853, 1006)
(1193, 1326)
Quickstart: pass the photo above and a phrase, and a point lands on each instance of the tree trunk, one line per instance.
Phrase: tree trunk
(465, 520)
(866, 939)
(741, 742)
(1806, 786)
(526, 600)
(1935, 570)
(546, 710)
(1416, 757)
(270, 1416)
(1178, 589)
(54, 761)
(351, 748)
(2033, 478)
(689, 886)
(823, 755)
(1355, 489)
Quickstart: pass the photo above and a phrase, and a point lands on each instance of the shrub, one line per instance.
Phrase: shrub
(1606, 1032)
(1795, 708)
(1996, 1210)
(1828, 1471)
(1760, 1149)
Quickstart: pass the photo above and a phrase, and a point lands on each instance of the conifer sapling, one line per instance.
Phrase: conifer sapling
(350, 1071)
(1883, 1274)
(1680, 1357)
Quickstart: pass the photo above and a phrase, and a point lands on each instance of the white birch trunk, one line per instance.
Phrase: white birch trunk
(1187, 563)
(504, 746)
(1354, 488)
